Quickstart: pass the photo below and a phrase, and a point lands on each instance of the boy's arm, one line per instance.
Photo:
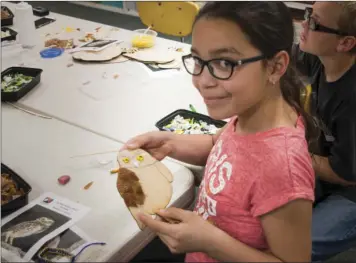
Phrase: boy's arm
(340, 166)
(323, 169)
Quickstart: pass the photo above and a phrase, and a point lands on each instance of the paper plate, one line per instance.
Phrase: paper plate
(106, 54)
(152, 56)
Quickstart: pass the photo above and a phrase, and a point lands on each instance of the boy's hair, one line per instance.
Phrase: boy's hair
(347, 19)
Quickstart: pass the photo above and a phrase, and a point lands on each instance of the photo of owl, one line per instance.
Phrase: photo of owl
(23, 231)
(26, 229)
(143, 182)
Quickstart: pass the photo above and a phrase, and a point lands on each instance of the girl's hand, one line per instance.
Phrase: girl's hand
(191, 234)
(156, 143)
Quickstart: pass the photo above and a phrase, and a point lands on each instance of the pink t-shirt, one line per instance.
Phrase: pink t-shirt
(250, 175)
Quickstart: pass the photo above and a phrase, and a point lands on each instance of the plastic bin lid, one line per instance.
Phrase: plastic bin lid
(51, 52)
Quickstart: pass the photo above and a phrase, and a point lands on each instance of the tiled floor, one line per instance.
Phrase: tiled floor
(131, 23)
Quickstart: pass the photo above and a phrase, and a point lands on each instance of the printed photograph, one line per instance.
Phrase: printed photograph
(68, 240)
(22, 232)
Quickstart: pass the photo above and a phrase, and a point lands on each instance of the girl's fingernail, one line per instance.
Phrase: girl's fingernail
(140, 215)
(131, 145)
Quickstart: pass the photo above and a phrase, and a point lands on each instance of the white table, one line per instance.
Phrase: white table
(39, 150)
(114, 108)
(117, 109)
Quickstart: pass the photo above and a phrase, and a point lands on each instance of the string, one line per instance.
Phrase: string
(86, 246)
(63, 252)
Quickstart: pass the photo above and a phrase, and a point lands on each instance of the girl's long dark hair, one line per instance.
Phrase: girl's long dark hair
(269, 27)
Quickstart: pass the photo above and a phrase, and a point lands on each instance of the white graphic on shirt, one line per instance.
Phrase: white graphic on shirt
(224, 167)
(206, 205)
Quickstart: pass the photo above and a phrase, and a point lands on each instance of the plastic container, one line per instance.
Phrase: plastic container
(7, 21)
(12, 36)
(186, 114)
(40, 11)
(19, 202)
(141, 39)
(15, 96)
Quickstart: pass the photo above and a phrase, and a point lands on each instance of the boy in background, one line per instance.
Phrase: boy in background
(326, 54)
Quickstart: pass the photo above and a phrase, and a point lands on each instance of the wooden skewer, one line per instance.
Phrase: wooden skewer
(89, 154)
(29, 112)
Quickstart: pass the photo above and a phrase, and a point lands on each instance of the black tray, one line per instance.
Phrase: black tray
(19, 202)
(40, 11)
(188, 114)
(7, 21)
(12, 36)
(14, 96)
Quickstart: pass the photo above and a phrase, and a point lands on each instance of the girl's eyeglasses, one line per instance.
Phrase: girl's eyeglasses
(219, 68)
(315, 26)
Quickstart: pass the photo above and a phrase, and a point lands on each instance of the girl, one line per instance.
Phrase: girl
(255, 200)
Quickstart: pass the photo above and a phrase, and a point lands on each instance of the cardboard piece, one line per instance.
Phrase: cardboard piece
(143, 182)
(175, 64)
(118, 59)
(106, 54)
(152, 56)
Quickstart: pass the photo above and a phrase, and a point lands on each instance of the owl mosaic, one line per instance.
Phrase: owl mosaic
(143, 182)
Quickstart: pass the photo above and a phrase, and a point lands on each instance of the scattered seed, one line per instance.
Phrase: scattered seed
(69, 29)
(115, 171)
(87, 186)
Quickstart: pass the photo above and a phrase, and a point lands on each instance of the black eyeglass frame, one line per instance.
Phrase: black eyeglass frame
(318, 27)
(232, 62)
